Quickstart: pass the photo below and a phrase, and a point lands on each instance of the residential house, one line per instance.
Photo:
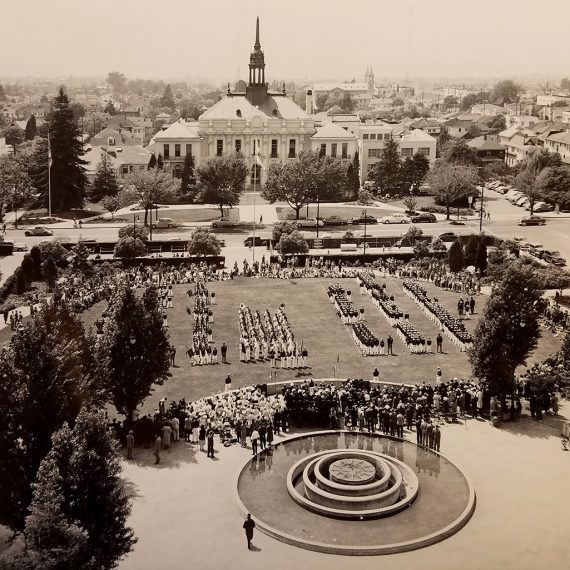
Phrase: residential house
(333, 140)
(124, 160)
(429, 126)
(488, 150)
(560, 143)
(110, 137)
(175, 142)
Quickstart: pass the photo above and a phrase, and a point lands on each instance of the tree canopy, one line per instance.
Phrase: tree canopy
(203, 242)
(452, 182)
(105, 183)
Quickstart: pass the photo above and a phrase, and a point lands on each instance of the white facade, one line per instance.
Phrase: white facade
(175, 142)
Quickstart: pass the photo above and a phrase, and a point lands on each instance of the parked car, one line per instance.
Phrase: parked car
(395, 219)
(310, 223)
(224, 223)
(540, 207)
(364, 219)
(248, 242)
(20, 247)
(448, 236)
(163, 224)
(335, 221)
(38, 231)
(426, 217)
(532, 221)
(521, 201)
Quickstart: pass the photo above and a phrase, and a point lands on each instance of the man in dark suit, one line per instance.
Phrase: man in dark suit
(248, 526)
(390, 344)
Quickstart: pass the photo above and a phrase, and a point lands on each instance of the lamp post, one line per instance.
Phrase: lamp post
(318, 211)
(365, 220)
(481, 210)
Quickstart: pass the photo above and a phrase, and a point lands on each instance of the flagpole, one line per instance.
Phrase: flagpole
(49, 177)
(254, 179)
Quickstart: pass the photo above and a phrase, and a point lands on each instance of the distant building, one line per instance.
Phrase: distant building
(488, 150)
(4, 148)
(110, 137)
(429, 126)
(488, 110)
(339, 89)
(124, 160)
(560, 143)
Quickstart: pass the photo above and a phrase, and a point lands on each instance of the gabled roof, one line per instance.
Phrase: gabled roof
(560, 137)
(121, 139)
(132, 155)
(179, 130)
(424, 123)
(485, 143)
(277, 106)
(418, 136)
(332, 131)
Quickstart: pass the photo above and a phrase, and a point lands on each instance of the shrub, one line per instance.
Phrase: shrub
(141, 232)
(21, 283)
(55, 251)
(204, 242)
(282, 228)
(364, 197)
(127, 247)
(293, 243)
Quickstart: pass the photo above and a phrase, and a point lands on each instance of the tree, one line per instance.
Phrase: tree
(2, 93)
(78, 111)
(508, 329)
(302, 181)
(471, 248)
(14, 136)
(68, 179)
(111, 204)
(457, 152)
(152, 161)
(452, 182)
(220, 180)
(167, 100)
(159, 162)
(141, 232)
(15, 184)
(365, 198)
(50, 272)
(128, 248)
(413, 234)
(80, 484)
(410, 202)
(469, 101)
(525, 181)
(456, 257)
(505, 91)
(292, 243)
(31, 129)
(481, 258)
(149, 187)
(347, 103)
(387, 172)
(450, 101)
(47, 373)
(443, 139)
(36, 255)
(105, 183)
(110, 109)
(497, 124)
(414, 172)
(117, 81)
(282, 228)
(203, 242)
(188, 180)
(134, 349)
(553, 184)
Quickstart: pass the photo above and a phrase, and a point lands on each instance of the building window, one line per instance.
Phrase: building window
(374, 152)
(333, 150)
(111, 141)
(365, 136)
(323, 150)
(373, 136)
(177, 171)
(188, 149)
(125, 169)
(238, 145)
(177, 150)
(292, 148)
(344, 150)
(407, 152)
(166, 151)
(273, 148)
(219, 147)
(424, 151)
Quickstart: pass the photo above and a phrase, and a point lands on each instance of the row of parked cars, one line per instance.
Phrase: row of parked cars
(396, 218)
(536, 250)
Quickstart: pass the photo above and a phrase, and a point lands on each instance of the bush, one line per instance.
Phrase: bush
(54, 251)
(293, 243)
(36, 255)
(141, 232)
(435, 209)
(28, 268)
(204, 242)
(126, 247)
(8, 288)
(282, 228)
(21, 283)
(364, 197)
(438, 245)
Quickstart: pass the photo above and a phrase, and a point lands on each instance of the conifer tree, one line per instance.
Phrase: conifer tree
(188, 181)
(31, 129)
(481, 258)
(159, 162)
(167, 100)
(387, 172)
(38, 166)
(456, 258)
(2, 93)
(68, 168)
(105, 183)
(152, 161)
(134, 348)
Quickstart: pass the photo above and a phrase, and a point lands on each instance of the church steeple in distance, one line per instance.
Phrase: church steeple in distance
(256, 92)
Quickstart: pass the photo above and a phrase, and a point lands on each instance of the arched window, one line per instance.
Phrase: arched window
(177, 171)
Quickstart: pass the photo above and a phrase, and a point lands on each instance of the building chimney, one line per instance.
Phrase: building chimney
(309, 102)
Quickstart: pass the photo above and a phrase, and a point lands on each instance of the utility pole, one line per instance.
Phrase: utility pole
(481, 212)
(365, 223)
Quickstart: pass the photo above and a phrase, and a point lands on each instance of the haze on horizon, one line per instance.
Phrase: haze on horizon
(310, 39)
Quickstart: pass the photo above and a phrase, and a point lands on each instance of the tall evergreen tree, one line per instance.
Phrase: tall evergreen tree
(159, 162)
(2, 93)
(167, 100)
(31, 129)
(79, 488)
(105, 183)
(387, 172)
(134, 348)
(188, 181)
(456, 257)
(508, 329)
(152, 161)
(481, 258)
(471, 248)
(68, 177)
(46, 375)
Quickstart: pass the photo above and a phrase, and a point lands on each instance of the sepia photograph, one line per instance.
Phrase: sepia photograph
(284, 285)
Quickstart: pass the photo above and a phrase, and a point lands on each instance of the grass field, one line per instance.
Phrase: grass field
(313, 319)
(188, 215)
(285, 213)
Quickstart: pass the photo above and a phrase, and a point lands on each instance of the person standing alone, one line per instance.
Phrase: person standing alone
(249, 525)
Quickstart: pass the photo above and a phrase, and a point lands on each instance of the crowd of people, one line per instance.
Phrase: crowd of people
(454, 328)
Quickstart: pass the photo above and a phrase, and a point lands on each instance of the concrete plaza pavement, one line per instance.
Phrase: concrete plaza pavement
(185, 515)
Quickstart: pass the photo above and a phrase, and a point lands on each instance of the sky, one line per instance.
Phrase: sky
(302, 39)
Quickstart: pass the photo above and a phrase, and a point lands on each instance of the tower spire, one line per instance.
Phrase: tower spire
(257, 45)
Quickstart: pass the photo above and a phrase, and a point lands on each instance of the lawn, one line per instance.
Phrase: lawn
(313, 319)
(186, 215)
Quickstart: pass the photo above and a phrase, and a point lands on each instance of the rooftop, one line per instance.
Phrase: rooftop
(332, 131)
